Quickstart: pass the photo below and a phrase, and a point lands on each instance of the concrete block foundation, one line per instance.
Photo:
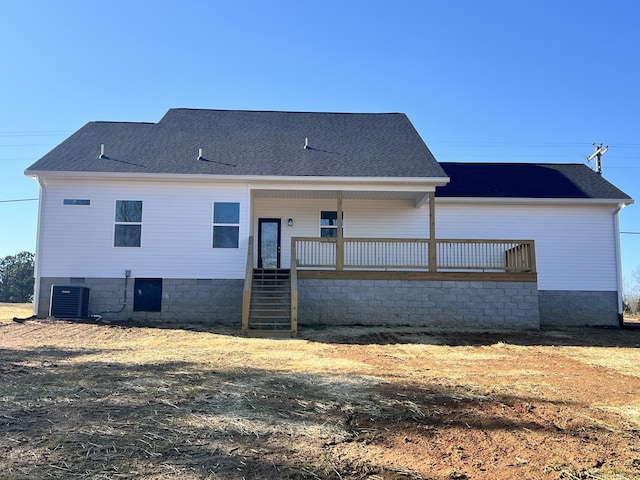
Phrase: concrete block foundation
(183, 300)
(443, 304)
(568, 308)
(438, 303)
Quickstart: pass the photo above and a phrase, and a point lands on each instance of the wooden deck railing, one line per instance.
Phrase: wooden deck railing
(246, 291)
(413, 254)
(486, 255)
(294, 291)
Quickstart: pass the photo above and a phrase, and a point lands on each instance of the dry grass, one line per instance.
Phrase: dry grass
(10, 310)
(96, 401)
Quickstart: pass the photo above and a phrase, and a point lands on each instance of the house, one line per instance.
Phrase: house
(273, 219)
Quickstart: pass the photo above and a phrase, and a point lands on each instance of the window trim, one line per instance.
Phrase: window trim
(215, 224)
(118, 223)
(333, 227)
(71, 202)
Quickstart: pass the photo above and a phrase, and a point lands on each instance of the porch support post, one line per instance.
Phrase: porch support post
(433, 260)
(339, 237)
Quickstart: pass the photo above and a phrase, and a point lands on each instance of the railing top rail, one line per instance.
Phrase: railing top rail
(481, 240)
(358, 239)
(410, 240)
(410, 253)
(314, 239)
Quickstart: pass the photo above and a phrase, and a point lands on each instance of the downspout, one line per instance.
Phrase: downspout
(39, 233)
(616, 232)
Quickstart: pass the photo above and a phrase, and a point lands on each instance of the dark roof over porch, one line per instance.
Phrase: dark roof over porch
(527, 180)
(249, 143)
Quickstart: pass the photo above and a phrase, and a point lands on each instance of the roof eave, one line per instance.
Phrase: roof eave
(432, 181)
(538, 201)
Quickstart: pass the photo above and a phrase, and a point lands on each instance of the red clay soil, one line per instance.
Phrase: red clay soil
(444, 406)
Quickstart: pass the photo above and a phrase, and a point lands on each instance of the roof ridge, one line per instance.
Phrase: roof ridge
(121, 122)
(241, 110)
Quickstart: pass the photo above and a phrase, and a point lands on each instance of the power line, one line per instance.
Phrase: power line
(492, 143)
(631, 233)
(24, 145)
(32, 134)
(19, 200)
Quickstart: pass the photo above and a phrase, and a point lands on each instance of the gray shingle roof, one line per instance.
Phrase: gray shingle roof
(526, 180)
(253, 143)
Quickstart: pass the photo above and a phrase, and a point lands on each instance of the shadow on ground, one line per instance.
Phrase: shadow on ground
(63, 416)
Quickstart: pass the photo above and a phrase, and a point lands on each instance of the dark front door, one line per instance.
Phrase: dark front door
(268, 243)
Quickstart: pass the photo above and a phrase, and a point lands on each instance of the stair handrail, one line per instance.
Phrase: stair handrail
(246, 291)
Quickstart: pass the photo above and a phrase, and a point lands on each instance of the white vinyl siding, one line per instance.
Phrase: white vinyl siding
(78, 242)
(362, 218)
(575, 245)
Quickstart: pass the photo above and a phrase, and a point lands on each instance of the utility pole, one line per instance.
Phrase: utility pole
(598, 156)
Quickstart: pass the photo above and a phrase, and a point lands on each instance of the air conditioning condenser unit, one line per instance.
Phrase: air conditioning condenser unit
(69, 302)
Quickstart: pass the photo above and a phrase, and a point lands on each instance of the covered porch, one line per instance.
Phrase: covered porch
(308, 265)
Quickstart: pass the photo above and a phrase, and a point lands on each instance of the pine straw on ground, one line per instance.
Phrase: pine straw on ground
(105, 402)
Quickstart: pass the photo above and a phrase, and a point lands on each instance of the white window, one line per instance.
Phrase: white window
(226, 224)
(76, 201)
(329, 223)
(128, 223)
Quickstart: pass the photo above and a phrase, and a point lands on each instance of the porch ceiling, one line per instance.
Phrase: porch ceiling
(414, 196)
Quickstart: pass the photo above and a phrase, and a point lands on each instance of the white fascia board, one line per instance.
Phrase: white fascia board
(532, 201)
(260, 181)
(295, 182)
(335, 186)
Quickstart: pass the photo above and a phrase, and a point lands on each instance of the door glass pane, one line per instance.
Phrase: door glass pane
(269, 244)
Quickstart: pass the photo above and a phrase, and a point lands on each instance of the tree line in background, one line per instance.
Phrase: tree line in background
(16, 278)
(631, 293)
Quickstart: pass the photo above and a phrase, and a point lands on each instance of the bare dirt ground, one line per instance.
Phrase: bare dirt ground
(111, 402)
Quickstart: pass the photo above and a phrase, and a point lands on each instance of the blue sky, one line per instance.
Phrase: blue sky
(481, 81)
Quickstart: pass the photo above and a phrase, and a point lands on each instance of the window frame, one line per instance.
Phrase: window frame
(119, 223)
(333, 228)
(225, 225)
(76, 202)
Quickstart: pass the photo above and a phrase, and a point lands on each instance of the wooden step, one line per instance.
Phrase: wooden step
(271, 324)
(270, 333)
(270, 309)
